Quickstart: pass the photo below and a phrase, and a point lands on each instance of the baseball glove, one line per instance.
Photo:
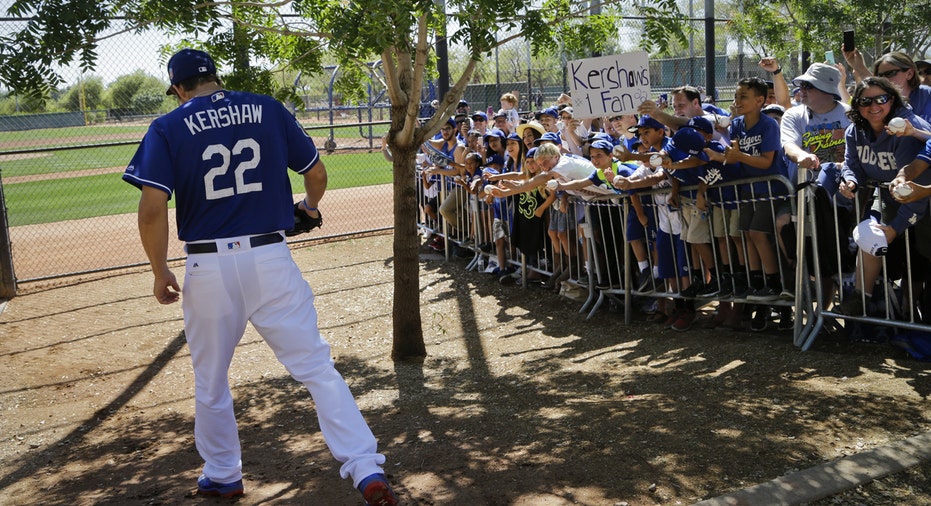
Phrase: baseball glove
(304, 223)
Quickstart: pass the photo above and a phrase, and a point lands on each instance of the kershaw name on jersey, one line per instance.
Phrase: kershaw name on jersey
(234, 114)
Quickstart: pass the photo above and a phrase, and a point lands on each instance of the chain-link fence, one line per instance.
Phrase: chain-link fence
(61, 161)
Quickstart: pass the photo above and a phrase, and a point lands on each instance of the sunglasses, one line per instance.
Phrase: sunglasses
(868, 101)
(805, 85)
(925, 72)
(890, 73)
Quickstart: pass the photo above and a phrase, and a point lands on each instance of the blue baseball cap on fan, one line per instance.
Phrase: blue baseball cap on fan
(687, 142)
(189, 63)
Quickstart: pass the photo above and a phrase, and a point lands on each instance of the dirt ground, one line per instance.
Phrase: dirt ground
(521, 401)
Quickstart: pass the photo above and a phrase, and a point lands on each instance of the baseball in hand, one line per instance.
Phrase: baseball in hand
(656, 160)
(489, 189)
(723, 121)
(897, 125)
(903, 190)
(552, 184)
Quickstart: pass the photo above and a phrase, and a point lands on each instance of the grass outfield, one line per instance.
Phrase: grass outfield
(78, 136)
(72, 198)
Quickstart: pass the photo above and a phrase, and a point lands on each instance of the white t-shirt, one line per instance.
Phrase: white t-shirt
(571, 168)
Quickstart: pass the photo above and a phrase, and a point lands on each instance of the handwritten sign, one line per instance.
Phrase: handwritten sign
(609, 85)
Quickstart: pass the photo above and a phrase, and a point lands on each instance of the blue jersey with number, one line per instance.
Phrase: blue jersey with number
(224, 156)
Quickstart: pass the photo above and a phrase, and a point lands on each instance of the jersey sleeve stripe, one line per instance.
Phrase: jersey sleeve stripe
(311, 164)
(139, 183)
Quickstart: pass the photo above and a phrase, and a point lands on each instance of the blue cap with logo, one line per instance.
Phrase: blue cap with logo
(602, 144)
(646, 122)
(189, 63)
(702, 124)
(687, 142)
(548, 136)
(550, 111)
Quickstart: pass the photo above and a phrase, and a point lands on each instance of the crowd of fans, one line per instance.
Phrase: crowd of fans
(687, 202)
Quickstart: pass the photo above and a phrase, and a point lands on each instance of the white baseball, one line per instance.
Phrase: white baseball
(903, 190)
(489, 189)
(724, 121)
(656, 160)
(552, 184)
(897, 125)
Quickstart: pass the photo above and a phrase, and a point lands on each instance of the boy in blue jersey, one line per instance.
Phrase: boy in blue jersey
(224, 155)
(756, 146)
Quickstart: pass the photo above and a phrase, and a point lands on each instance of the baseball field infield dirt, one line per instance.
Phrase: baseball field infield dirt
(521, 401)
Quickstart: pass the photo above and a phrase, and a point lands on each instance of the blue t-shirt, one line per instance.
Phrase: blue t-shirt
(225, 157)
(764, 137)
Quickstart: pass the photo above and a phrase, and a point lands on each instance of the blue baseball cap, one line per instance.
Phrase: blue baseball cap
(602, 144)
(514, 137)
(479, 116)
(495, 132)
(548, 136)
(602, 136)
(687, 142)
(186, 64)
(495, 158)
(531, 152)
(701, 124)
(451, 122)
(646, 122)
(551, 111)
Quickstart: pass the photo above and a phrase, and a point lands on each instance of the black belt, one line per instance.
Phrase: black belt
(254, 241)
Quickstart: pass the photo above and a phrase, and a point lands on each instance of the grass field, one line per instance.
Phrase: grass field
(68, 198)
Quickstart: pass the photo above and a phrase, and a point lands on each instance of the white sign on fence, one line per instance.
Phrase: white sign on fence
(609, 85)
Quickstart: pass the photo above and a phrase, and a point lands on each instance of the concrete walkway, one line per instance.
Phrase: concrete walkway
(832, 477)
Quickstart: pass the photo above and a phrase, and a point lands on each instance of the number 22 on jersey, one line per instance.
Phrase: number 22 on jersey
(225, 155)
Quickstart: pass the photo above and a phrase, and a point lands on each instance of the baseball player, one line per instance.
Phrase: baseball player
(224, 155)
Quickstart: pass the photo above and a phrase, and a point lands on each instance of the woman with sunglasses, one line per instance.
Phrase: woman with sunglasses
(900, 70)
(873, 154)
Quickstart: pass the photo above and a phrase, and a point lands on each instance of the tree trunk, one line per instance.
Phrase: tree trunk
(407, 341)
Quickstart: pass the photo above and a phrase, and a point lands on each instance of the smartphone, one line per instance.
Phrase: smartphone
(849, 44)
(663, 99)
(829, 57)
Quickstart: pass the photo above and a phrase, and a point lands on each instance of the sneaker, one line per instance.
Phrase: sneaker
(765, 294)
(760, 319)
(377, 492)
(645, 280)
(692, 290)
(683, 321)
(710, 289)
(787, 294)
(852, 304)
(671, 318)
(725, 287)
(487, 247)
(206, 486)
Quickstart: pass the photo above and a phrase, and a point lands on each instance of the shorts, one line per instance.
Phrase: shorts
(759, 216)
(635, 230)
(695, 223)
(431, 202)
(671, 261)
(724, 221)
(559, 222)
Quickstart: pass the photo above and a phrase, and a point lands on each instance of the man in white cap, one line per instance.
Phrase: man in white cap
(813, 132)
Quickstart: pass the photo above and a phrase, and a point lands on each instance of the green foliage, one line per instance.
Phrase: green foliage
(92, 89)
(779, 29)
(136, 93)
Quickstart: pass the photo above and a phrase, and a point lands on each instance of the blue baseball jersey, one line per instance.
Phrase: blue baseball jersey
(224, 155)
(762, 138)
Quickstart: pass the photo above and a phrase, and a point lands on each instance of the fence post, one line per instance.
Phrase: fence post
(7, 280)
